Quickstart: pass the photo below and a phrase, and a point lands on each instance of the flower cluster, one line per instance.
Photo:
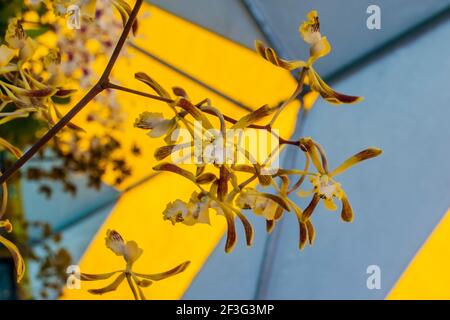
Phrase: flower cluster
(28, 84)
(221, 184)
(319, 48)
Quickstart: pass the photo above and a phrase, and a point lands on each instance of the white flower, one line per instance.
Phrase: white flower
(216, 152)
(326, 188)
(176, 211)
(155, 122)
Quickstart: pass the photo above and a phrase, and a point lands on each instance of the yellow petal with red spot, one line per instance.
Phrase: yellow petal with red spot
(270, 55)
(331, 96)
(355, 159)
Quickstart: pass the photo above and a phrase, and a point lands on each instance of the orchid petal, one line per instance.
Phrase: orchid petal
(169, 273)
(113, 286)
(331, 96)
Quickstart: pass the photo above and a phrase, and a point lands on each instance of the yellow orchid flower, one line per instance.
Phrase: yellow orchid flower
(130, 252)
(319, 47)
(324, 185)
(16, 38)
(156, 123)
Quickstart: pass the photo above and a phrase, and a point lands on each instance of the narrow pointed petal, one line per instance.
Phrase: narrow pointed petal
(164, 152)
(347, 211)
(297, 210)
(64, 93)
(100, 276)
(357, 158)
(175, 169)
(36, 93)
(270, 55)
(160, 276)
(231, 232)
(303, 235)
(206, 178)
(270, 224)
(311, 232)
(180, 92)
(125, 11)
(310, 208)
(247, 227)
(278, 213)
(253, 117)
(331, 96)
(195, 112)
(244, 168)
(144, 283)
(145, 78)
(305, 193)
(113, 286)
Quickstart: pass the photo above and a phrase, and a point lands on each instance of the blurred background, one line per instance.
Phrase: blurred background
(400, 199)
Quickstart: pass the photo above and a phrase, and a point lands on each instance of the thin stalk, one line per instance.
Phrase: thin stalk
(133, 289)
